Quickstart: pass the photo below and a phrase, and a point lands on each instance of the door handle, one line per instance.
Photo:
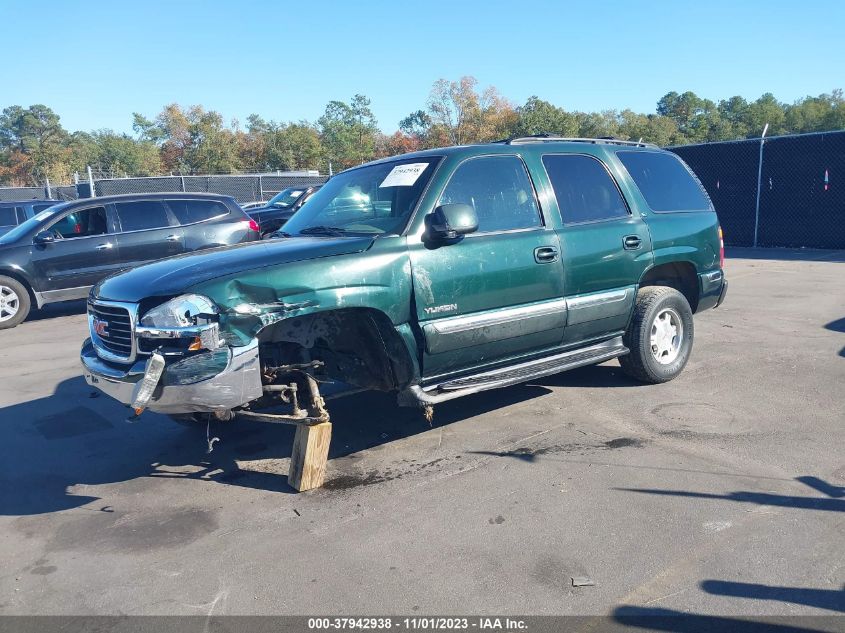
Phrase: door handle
(172, 238)
(632, 242)
(545, 254)
(104, 247)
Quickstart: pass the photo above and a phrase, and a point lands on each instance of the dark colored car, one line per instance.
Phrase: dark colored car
(59, 253)
(281, 208)
(16, 212)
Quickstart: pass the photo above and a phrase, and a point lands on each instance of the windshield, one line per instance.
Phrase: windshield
(370, 200)
(286, 197)
(26, 227)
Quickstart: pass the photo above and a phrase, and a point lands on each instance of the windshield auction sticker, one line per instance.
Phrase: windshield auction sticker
(403, 175)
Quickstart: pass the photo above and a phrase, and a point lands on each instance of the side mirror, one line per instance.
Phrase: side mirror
(449, 221)
(44, 237)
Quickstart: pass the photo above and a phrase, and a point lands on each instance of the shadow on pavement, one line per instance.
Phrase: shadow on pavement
(681, 622)
(72, 438)
(830, 504)
(837, 326)
(831, 599)
(53, 310)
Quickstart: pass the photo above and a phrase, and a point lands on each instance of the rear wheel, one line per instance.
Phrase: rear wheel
(660, 335)
(14, 302)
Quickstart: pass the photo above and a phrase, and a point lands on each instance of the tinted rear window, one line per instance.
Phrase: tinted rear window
(38, 208)
(144, 214)
(664, 181)
(584, 190)
(190, 211)
(8, 217)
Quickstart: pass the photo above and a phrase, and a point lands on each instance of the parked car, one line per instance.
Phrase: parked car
(59, 253)
(456, 270)
(281, 208)
(16, 212)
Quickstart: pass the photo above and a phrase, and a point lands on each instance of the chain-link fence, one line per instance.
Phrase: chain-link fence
(801, 188)
(246, 188)
(63, 192)
(242, 188)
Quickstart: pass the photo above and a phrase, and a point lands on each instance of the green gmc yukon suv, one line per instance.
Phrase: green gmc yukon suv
(433, 275)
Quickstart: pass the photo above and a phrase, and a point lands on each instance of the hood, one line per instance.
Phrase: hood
(177, 275)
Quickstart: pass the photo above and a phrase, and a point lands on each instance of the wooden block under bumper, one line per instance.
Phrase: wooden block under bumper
(309, 456)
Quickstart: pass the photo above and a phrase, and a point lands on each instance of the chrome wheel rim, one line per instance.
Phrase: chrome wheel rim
(10, 303)
(667, 336)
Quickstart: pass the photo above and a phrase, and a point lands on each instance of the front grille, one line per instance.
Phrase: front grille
(117, 338)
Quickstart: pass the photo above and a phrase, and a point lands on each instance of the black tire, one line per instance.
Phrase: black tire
(13, 293)
(642, 363)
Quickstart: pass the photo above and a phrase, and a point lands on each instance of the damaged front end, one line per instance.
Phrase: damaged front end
(188, 356)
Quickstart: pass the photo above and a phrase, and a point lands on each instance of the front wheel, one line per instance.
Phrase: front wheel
(660, 335)
(14, 302)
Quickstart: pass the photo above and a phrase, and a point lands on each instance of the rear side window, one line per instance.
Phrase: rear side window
(499, 190)
(190, 211)
(141, 215)
(584, 189)
(8, 216)
(38, 208)
(664, 181)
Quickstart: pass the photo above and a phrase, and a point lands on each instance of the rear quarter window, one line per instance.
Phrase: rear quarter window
(665, 182)
(142, 215)
(190, 211)
(8, 216)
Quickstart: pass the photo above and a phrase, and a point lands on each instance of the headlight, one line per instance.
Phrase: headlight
(179, 312)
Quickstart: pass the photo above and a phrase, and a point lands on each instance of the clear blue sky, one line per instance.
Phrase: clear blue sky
(96, 62)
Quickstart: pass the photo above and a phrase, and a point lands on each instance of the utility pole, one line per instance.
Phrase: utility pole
(759, 184)
(91, 182)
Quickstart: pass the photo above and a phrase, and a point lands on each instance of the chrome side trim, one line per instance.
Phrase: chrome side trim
(579, 302)
(600, 305)
(63, 294)
(454, 325)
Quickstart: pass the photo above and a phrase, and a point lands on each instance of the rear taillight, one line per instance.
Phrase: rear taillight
(253, 226)
(721, 248)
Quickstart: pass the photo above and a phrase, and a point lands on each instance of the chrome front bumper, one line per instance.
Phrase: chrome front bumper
(234, 386)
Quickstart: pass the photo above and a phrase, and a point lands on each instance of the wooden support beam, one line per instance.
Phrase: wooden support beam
(310, 454)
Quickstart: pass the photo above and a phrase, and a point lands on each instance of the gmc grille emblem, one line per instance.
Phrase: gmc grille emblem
(101, 328)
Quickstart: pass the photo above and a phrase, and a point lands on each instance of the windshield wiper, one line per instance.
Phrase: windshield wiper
(323, 230)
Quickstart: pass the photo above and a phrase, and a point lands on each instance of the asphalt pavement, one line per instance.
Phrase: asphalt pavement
(720, 493)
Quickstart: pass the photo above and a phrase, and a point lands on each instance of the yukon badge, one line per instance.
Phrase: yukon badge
(446, 307)
(101, 328)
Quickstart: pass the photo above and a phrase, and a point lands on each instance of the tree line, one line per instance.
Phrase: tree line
(192, 140)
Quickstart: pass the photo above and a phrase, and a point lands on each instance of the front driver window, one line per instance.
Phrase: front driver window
(82, 223)
(499, 190)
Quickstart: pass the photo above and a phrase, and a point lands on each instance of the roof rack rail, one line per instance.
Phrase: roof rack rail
(543, 138)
